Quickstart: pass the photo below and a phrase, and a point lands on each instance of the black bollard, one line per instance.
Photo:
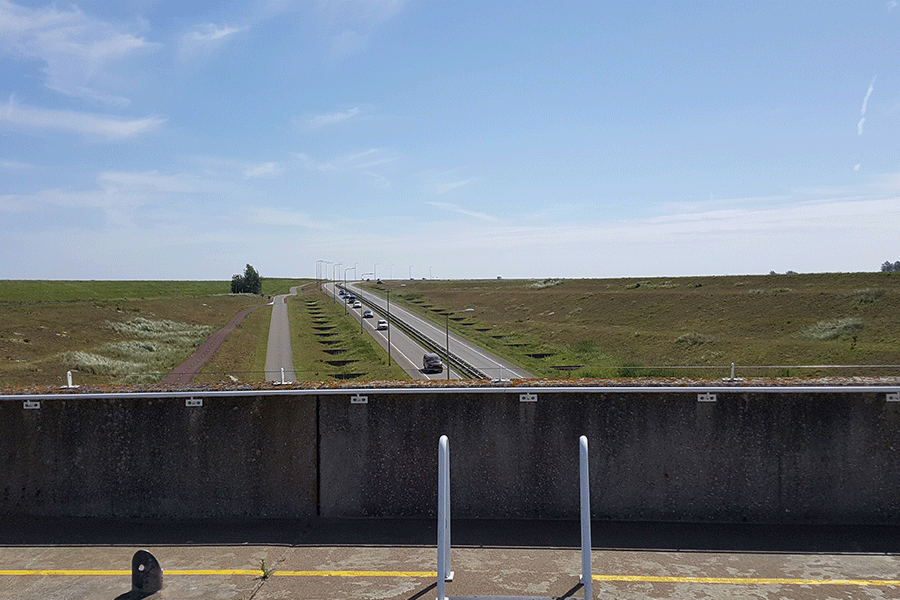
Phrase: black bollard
(146, 574)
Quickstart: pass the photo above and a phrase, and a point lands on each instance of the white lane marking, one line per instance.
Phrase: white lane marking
(435, 329)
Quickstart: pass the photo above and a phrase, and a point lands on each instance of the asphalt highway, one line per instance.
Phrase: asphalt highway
(403, 350)
(491, 364)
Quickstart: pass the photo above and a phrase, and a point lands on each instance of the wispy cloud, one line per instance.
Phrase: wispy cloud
(280, 216)
(332, 118)
(891, 5)
(14, 165)
(353, 22)
(92, 125)
(311, 164)
(442, 182)
(205, 39)
(120, 182)
(74, 47)
(463, 211)
(269, 169)
(359, 161)
(865, 104)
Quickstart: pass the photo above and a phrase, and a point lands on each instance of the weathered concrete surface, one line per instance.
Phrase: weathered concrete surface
(755, 455)
(749, 457)
(134, 457)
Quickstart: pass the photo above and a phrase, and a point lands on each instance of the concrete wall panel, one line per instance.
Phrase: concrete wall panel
(152, 457)
(757, 456)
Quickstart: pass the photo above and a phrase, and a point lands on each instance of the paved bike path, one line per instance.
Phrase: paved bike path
(279, 354)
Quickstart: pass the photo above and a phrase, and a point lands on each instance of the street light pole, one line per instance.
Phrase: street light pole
(447, 331)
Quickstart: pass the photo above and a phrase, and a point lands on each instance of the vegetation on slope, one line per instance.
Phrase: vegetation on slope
(634, 327)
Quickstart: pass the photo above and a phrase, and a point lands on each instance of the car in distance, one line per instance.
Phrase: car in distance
(431, 363)
(357, 304)
(367, 314)
(382, 324)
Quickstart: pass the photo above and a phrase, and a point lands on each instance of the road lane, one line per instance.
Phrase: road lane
(489, 363)
(403, 350)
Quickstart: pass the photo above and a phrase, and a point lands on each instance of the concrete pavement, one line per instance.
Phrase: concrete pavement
(279, 354)
(368, 559)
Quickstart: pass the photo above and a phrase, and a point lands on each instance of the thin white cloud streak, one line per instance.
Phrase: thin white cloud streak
(332, 118)
(88, 124)
(812, 236)
(205, 39)
(284, 217)
(269, 169)
(446, 206)
(14, 165)
(74, 47)
(311, 164)
(353, 23)
(349, 162)
(148, 182)
(439, 183)
(865, 104)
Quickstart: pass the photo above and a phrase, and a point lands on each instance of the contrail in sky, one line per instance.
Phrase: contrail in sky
(862, 112)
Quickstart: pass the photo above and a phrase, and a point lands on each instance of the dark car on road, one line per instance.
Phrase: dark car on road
(431, 363)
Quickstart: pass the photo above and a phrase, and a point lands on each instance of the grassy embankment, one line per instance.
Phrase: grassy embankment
(327, 345)
(119, 332)
(646, 327)
(110, 331)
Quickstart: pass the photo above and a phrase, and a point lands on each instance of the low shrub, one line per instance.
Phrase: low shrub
(832, 330)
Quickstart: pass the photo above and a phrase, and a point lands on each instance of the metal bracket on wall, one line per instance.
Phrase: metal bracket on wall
(357, 399)
(528, 397)
(893, 397)
(30, 405)
(194, 402)
(706, 397)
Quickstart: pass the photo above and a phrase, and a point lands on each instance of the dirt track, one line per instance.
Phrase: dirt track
(185, 372)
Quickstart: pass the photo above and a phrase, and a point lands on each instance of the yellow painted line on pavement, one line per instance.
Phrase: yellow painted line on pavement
(433, 574)
(253, 572)
(11, 572)
(746, 580)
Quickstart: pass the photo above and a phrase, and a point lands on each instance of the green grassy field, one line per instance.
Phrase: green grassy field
(111, 331)
(649, 327)
(327, 346)
(136, 331)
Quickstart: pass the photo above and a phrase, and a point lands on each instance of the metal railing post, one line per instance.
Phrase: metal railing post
(444, 573)
(585, 520)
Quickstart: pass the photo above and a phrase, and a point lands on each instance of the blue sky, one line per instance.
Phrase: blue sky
(146, 139)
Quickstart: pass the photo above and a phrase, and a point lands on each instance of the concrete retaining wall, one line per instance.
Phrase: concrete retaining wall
(754, 455)
(153, 457)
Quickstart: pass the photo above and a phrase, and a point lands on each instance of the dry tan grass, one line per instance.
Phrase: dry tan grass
(643, 326)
